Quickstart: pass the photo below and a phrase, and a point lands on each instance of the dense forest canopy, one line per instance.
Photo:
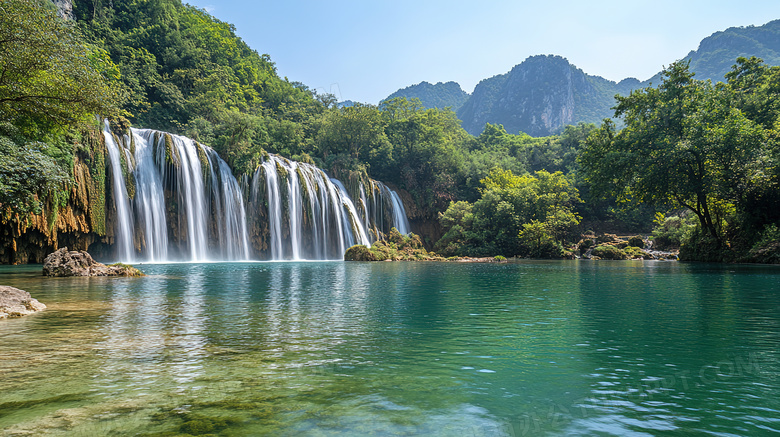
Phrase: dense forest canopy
(710, 149)
(686, 145)
(52, 82)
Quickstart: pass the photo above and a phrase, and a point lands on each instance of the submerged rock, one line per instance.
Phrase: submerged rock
(80, 263)
(17, 303)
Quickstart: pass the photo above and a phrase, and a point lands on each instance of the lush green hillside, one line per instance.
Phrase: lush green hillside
(440, 96)
(716, 53)
(187, 72)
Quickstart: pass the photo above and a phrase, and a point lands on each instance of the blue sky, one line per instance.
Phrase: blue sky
(365, 50)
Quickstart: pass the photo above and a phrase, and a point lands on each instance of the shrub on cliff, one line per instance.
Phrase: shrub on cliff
(359, 252)
(636, 241)
(608, 251)
(767, 249)
(395, 247)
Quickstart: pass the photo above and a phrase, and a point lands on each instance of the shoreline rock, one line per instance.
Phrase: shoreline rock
(80, 263)
(17, 303)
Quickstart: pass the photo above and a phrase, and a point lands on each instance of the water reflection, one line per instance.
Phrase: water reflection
(395, 348)
(190, 323)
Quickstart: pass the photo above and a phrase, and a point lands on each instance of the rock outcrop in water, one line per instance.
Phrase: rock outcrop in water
(80, 263)
(394, 247)
(17, 303)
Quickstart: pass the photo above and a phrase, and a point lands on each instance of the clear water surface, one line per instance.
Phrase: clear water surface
(334, 348)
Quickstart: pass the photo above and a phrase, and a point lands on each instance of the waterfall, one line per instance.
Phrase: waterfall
(400, 221)
(232, 226)
(150, 201)
(274, 208)
(188, 205)
(382, 209)
(310, 216)
(124, 224)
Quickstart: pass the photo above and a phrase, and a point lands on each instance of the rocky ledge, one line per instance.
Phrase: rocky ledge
(17, 303)
(80, 263)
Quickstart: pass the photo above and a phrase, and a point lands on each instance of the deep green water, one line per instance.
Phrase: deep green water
(333, 348)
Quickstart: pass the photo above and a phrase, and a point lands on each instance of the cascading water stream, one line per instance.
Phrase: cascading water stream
(274, 208)
(400, 221)
(192, 198)
(124, 224)
(233, 236)
(351, 220)
(150, 201)
(309, 215)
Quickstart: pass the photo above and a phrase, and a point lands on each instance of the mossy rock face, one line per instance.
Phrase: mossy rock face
(395, 247)
(395, 237)
(359, 252)
(608, 251)
(767, 254)
(584, 245)
(636, 253)
(205, 164)
(607, 238)
(63, 262)
(120, 126)
(171, 151)
(611, 251)
(636, 241)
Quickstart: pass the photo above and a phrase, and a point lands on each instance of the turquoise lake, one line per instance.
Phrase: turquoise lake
(352, 349)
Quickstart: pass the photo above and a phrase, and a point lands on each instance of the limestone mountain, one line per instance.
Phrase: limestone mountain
(540, 96)
(441, 95)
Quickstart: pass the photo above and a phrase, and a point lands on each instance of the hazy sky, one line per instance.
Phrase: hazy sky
(366, 50)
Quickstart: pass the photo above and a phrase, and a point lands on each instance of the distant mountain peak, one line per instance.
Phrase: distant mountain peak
(439, 95)
(539, 96)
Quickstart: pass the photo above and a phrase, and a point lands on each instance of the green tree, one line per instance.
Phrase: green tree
(537, 241)
(26, 176)
(755, 89)
(516, 215)
(427, 153)
(682, 145)
(50, 78)
(356, 130)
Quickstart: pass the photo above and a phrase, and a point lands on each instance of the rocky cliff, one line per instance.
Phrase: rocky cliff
(540, 96)
(64, 8)
(78, 217)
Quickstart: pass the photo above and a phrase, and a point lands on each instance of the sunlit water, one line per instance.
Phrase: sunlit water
(333, 348)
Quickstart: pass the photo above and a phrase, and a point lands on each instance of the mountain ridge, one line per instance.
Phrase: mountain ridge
(544, 93)
(439, 95)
